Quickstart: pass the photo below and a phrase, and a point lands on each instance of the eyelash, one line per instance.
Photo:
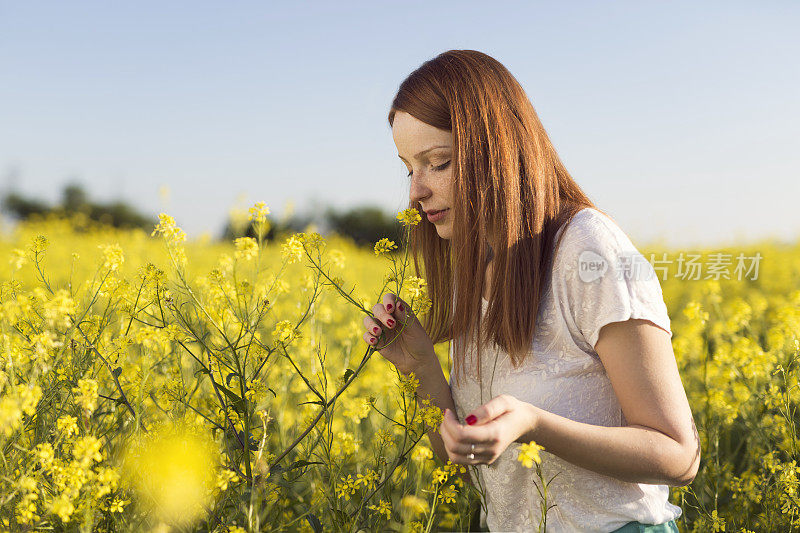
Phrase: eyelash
(441, 167)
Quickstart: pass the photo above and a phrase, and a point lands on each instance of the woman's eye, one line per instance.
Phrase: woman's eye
(441, 167)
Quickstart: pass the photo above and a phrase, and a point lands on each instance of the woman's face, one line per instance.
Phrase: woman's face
(427, 153)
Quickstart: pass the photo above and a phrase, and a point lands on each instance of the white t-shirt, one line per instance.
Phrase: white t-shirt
(565, 376)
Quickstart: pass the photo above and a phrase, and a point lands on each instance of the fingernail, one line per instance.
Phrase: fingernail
(400, 307)
(390, 323)
(375, 330)
(389, 307)
(471, 419)
(372, 340)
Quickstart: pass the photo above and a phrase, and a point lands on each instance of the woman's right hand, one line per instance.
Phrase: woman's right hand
(407, 347)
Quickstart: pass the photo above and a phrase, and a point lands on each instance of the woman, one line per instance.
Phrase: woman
(510, 236)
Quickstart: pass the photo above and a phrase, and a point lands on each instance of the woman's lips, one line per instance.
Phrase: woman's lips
(438, 215)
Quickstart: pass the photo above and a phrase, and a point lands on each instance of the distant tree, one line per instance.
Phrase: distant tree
(75, 200)
(276, 230)
(365, 225)
(23, 207)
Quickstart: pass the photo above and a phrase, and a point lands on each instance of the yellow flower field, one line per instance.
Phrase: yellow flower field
(150, 383)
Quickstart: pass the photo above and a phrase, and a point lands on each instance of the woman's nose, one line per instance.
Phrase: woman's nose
(418, 191)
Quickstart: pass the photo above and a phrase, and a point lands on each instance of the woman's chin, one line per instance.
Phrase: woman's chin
(445, 232)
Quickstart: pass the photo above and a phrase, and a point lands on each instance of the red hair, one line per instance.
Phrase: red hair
(511, 193)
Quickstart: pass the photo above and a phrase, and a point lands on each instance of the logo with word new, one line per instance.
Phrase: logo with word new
(591, 266)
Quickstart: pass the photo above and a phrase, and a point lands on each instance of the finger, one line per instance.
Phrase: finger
(404, 312)
(448, 429)
(463, 436)
(453, 427)
(460, 452)
(370, 339)
(372, 326)
(489, 411)
(397, 306)
(386, 320)
(390, 302)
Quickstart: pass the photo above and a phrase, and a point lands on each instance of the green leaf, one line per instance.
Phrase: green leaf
(237, 402)
(347, 373)
(314, 522)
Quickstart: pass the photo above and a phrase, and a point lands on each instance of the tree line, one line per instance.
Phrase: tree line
(365, 225)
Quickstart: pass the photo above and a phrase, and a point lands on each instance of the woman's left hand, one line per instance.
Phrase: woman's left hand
(489, 431)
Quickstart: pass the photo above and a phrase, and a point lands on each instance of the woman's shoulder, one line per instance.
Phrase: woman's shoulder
(593, 230)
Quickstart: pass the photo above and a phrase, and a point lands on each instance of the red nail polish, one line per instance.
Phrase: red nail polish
(471, 419)
(390, 323)
(372, 340)
(375, 329)
(400, 307)
(389, 307)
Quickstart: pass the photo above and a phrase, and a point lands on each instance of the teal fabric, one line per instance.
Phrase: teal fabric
(638, 527)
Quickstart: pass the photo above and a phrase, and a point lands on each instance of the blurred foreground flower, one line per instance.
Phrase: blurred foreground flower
(173, 474)
(529, 454)
(409, 217)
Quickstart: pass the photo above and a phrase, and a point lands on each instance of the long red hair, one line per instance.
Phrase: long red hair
(511, 195)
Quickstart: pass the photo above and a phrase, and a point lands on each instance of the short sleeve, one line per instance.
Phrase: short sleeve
(600, 277)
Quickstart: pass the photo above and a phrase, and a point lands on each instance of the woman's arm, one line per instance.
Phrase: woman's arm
(659, 445)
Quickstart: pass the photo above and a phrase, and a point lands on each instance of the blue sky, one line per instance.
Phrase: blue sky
(680, 119)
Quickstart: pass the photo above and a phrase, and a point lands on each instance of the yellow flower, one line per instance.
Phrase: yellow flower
(431, 415)
(39, 244)
(409, 383)
(346, 488)
(529, 454)
(447, 494)
(86, 394)
(10, 415)
(292, 249)
(415, 287)
(368, 480)
(383, 508)
(259, 212)
(117, 506)
(440, 476)
(62, 507)
(225, 477)
(421, 453)
(337, 258)
(112, 253)
(67, 424)
(717, 523)
(285, 332)
(384, 245)
(86, 450)
(166, 227)
(172, 469)
(45, 454)
(246, 248)
(409, 217)
(413, 503)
